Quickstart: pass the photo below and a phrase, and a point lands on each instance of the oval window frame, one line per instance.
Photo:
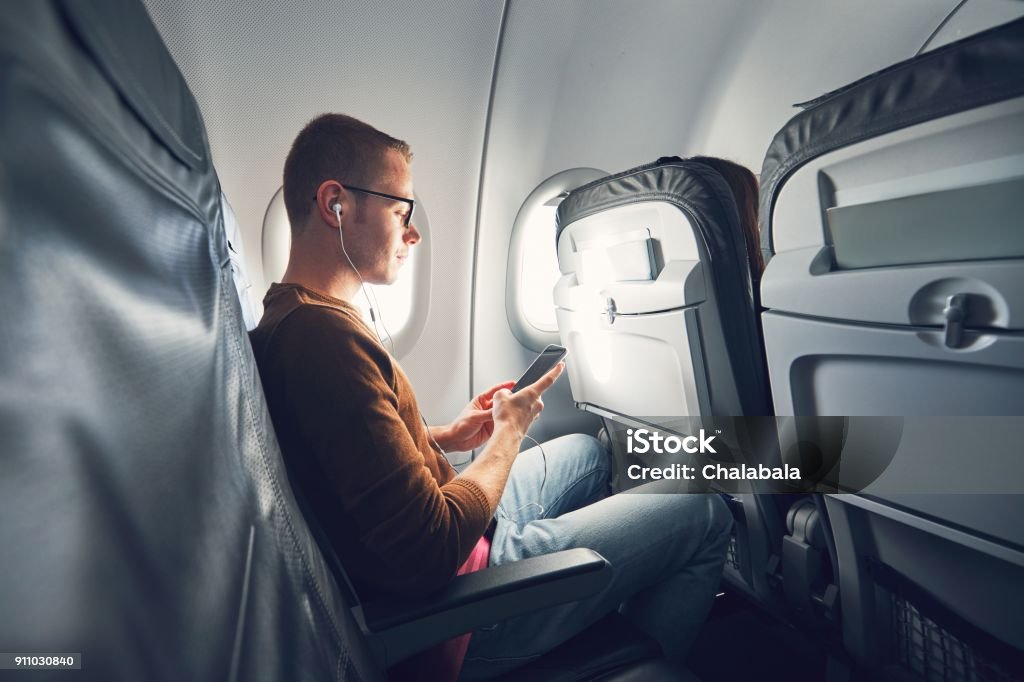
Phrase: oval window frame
(559, 184)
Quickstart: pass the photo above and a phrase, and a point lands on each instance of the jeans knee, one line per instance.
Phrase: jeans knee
(588, 450)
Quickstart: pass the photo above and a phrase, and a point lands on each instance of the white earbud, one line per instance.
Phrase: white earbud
(336, 207)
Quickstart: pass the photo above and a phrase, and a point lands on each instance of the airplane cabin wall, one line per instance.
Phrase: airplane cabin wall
(799, 51)
(975, 16)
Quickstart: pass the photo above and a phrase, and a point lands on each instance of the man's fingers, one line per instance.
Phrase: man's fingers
(489, 393)
(486, 399)
(549, 378)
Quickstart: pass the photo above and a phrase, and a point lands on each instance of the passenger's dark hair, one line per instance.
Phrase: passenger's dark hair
(333, 146)
(743, 184)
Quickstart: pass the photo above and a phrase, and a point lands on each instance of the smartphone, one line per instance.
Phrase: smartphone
(548, 358)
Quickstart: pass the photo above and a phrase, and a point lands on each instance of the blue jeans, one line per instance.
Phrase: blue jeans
(666, 552)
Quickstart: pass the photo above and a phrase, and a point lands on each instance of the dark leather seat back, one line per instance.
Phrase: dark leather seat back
(147, 521)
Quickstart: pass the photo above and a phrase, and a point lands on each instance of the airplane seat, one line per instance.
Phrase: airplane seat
(147, 523)
(148, 526)
(657, 308)
(236, 255)
(894, 298)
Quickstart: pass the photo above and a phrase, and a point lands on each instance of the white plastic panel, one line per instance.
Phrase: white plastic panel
(929, 227)
(979, 147)
(637, 365)
(894, 295)
(820, 367)
(630, 274)
(628, 257)
(642, 256)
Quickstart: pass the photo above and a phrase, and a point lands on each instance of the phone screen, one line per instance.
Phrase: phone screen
(547, 359)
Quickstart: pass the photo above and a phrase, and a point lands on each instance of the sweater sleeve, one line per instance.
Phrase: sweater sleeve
(341, 396)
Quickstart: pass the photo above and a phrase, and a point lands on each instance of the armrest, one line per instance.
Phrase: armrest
(402, 628)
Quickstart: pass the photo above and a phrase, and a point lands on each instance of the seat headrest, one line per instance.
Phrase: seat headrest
(981, 69)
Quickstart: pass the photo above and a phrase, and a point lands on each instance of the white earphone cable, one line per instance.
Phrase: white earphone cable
(543, 480)
(369, 304)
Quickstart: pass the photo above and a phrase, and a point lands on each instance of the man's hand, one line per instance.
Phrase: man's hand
(519, 410)
(474, 425)
(511, 415)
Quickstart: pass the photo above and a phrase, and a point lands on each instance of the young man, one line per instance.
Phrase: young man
(400, 519)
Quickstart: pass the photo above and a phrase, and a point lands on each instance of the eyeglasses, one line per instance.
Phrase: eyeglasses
(411, 202)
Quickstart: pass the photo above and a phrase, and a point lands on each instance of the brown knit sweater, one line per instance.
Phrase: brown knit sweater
(351, 432)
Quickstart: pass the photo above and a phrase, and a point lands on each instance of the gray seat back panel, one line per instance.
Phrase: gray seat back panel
(888, 294)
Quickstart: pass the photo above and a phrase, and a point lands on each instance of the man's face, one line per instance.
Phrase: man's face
(379, 241)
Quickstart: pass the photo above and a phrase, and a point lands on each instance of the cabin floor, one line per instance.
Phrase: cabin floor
(742, 642)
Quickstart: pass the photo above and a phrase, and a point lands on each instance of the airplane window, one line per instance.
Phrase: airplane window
(401, 306)
(539, 266)
(533, 263)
